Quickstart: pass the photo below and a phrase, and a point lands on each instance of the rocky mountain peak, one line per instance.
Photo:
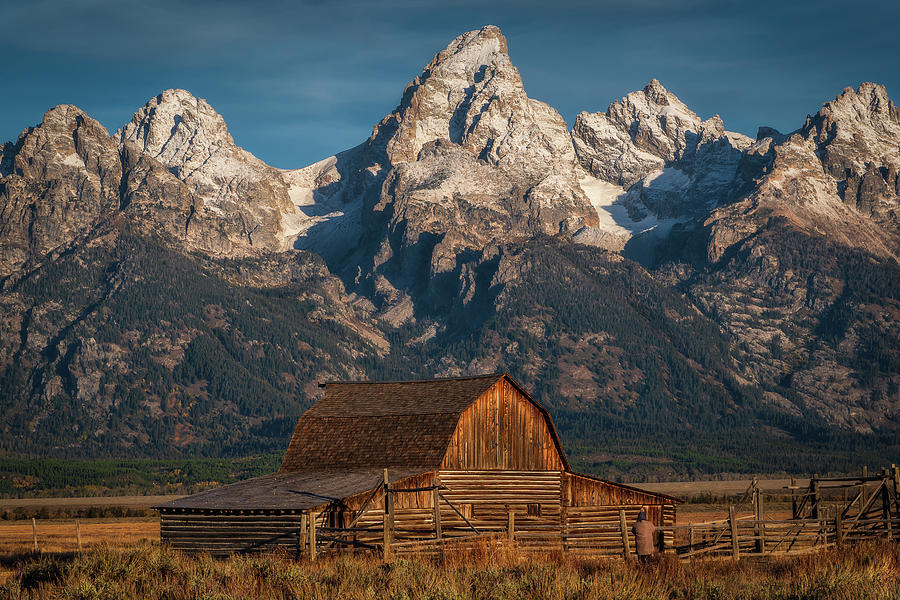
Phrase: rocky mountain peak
(67, 140)
(672, 163)
(471, 94)
(191, 139)
(865, 117)
(178, 129)
(471, 52)
(857, 139)
(61, 177)
(636, 135)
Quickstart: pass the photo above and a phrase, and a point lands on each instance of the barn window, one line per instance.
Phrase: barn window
(533, 510)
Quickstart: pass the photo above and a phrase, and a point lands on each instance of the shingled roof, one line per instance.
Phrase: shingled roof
(385, 424)
(287, 491)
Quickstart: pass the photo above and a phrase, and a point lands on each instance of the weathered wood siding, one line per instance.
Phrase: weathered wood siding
(581, 490)
(487, 498)
(221, 532)
(503, 429)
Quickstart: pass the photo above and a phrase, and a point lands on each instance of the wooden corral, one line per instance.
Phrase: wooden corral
(374, 465)
(826, 512)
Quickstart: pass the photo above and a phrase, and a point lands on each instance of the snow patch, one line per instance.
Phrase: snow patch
(669, 179)
(73, 160)
(616, 225)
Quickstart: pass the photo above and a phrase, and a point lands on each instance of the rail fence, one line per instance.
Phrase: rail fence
(818, 522)
(733, 537)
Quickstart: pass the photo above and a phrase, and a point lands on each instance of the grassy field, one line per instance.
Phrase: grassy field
(152, 572)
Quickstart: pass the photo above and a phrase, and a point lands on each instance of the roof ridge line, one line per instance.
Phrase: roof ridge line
(369, 381)
(397, 414)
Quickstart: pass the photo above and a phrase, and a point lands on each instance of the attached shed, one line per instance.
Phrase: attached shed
(461, 455)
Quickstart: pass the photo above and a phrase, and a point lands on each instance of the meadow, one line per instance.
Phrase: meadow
(151, 571)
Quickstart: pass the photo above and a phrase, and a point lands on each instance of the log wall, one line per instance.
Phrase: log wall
(221, 533)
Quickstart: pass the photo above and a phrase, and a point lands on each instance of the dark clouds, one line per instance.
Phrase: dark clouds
(297, 81)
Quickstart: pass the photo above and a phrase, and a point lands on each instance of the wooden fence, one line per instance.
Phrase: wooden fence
(733, 537)
(873, 513)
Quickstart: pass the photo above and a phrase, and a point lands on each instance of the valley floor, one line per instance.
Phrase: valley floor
(149, 571)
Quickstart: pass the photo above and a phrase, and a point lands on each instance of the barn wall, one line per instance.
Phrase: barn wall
(225, 532)
(487, 497)
(413, 511)
(502, 429)
(587, 491)
(592, 513)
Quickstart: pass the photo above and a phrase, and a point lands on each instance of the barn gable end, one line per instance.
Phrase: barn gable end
(504, 429)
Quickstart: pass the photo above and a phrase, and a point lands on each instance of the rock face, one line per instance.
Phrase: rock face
(67, 178)
(836, 176)
(465, 142)
(802, 269)
(62, 178)
(455, 239)
(191, 139)
(650, 143)
(857, 138)
(472, 95)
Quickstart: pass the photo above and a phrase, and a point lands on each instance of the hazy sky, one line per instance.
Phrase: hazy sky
(298, 81)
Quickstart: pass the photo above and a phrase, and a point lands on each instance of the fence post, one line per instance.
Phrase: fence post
(436, 500)
(78, 534)
(303, 537)
(793, 498)
(691, 537)
(886, 505)
(814, 488)
(759, 529)
(511, 528)
(735, 546)
(312, 536)
(34, 534)
(862, 487)
(626, 552)
(388, 519)
(838, 533)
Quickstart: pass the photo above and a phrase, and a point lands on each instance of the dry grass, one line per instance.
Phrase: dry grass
(59, 536)
(16, 537)
(154, 572)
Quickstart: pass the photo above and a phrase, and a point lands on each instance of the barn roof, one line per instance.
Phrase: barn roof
(388, 424)
(288, 491)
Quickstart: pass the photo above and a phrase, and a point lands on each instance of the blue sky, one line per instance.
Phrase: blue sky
(298, 81)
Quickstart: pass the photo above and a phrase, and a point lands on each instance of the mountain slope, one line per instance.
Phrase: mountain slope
(803, 270)
(152, 303)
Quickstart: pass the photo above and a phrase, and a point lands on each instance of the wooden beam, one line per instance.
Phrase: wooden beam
(34, 534)
(77, 534)
(623, 528)
(312, 535)
(793, 500)
(838, 530)
(436, 500)
(388, 519)
(886, 506)
(511, 528)
(814, 488)
(735, 546)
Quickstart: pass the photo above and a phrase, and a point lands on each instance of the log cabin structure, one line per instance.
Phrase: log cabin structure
(462, 455)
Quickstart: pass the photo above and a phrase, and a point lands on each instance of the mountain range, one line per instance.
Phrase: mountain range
(683, 298)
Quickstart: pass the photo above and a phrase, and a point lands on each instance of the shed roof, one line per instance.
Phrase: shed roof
(405, 424)
(288, 491)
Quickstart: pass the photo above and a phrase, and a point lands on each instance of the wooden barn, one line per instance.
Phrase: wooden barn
(462, 457)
